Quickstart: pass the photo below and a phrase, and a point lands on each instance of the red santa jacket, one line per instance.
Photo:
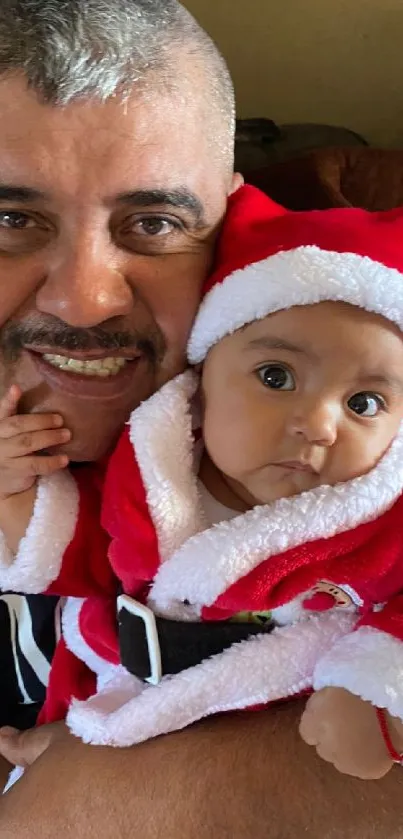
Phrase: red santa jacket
(328, 564)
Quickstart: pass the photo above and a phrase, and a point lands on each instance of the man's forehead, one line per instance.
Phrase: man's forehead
(115, 135)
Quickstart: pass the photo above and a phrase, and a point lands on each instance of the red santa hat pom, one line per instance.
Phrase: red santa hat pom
(270, 259)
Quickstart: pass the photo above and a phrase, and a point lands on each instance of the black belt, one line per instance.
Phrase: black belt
(152, 647)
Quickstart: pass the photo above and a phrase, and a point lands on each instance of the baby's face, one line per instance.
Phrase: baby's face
(308, 396)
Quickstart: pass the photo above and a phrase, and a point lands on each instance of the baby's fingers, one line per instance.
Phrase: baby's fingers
(11, 426)
(9, 402)
(29, 442)
(39, 466)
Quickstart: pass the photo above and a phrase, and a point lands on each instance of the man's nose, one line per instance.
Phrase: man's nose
(317, 422)
(85, 284)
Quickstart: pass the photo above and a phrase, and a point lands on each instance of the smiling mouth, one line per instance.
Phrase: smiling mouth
(91, 375)
(102, 367)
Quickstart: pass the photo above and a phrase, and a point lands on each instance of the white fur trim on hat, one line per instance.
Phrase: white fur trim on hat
(368, 663)
(257, 671)
(298, 277)
(40, 553)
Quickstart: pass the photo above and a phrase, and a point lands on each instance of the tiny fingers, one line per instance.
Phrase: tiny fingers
(40, 466)
(9, 402)
(15, 448)
(11, 426)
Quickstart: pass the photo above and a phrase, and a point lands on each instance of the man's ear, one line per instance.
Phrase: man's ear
(237, 181)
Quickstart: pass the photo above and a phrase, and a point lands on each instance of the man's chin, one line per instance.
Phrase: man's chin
(94, 427)
(85, 452)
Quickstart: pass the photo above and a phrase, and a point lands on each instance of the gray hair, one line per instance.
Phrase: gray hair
(74, 49)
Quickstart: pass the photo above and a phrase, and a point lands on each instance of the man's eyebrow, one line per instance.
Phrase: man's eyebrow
(21, 194)
(279, 344)
(177, 198)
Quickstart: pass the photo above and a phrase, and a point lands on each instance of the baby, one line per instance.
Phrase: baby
(253, 507)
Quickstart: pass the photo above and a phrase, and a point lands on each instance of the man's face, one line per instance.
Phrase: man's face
(108, 219)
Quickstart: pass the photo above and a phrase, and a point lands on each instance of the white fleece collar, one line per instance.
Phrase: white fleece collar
(199, 564)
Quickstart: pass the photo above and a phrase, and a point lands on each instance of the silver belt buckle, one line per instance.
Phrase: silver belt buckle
(148, 618)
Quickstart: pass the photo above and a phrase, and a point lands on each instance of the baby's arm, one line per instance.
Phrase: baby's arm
(361, 673)
(21, 437)
(345, 732)
(51, 539)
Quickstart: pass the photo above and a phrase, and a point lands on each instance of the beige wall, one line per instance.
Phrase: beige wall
(334, 61)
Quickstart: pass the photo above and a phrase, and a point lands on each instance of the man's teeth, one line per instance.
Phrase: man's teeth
(94, 367)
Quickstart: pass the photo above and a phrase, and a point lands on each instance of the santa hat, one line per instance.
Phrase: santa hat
(270, 259)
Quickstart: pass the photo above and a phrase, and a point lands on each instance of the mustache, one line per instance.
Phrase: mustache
(56, 335)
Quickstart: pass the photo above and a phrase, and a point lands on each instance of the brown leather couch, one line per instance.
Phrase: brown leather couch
(357, 176)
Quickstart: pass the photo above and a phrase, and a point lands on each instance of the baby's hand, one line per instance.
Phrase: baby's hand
(345, 732)
(22, 748)
(21, 436)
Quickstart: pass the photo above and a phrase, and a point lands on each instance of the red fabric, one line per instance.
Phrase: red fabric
(85, 570)
(69, 677)
(97, 624)
(133, 551)
(389, 619)
(369, 559)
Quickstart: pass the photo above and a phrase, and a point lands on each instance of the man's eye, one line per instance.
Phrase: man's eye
(154, 226)
(366, 404)
(276, 377)
(16, 221)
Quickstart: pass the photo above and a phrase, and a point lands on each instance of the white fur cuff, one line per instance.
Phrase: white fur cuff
(51, 529)
(368, 663)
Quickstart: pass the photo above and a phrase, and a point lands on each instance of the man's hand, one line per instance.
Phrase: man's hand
(21, 437)
(22, 748)
(345, 732)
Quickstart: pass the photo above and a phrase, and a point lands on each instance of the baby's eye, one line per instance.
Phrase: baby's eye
(276, 377)
(366, 404)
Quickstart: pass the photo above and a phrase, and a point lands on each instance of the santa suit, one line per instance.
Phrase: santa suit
(328, 564)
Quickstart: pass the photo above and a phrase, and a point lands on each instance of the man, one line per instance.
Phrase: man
(116, 146)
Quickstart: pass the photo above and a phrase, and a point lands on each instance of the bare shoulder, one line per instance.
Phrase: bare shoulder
(245, 776)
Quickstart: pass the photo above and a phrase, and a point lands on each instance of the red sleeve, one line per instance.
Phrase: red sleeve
(388, 619)
(133, 551)
(69, 677)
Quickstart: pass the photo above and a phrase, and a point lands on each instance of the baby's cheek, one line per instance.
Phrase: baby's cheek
(359, 457)
(226, 442)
